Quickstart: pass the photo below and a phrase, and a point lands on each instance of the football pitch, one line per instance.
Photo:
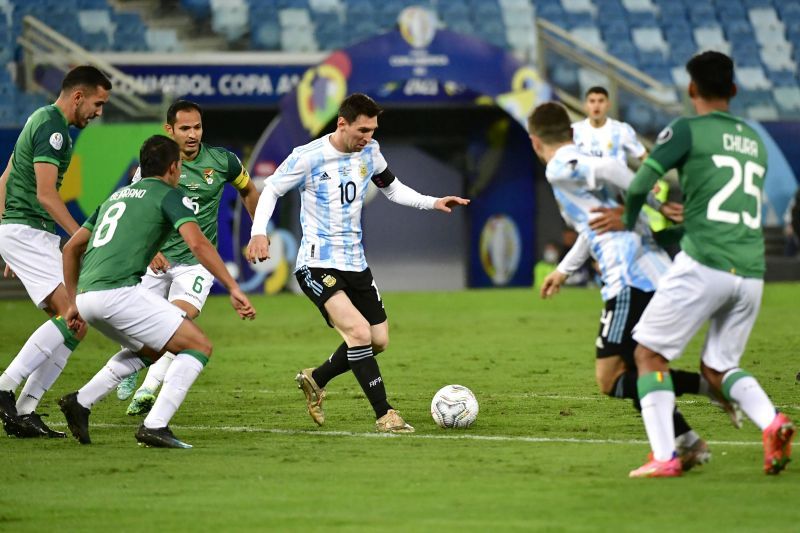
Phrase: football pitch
(548, 452)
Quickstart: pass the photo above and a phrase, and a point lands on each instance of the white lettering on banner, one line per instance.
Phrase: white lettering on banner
(287, 82)
(426, 87)
(245, 84)
(178, 84)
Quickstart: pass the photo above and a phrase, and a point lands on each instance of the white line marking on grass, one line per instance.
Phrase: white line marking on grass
(353, 434)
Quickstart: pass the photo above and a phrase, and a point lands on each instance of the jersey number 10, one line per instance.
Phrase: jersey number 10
(347, 192)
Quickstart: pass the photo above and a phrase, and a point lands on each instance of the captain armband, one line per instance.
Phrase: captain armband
(241, 180)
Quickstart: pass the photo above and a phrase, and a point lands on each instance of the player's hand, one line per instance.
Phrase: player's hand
(608, 219)
(448, 202)
(552, 284)
(8, 273)
(673, 211)
(159, 263)
(258, 249)
(73, 319)
(242, 305)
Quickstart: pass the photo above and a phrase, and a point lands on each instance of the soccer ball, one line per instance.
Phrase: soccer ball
(454, 406)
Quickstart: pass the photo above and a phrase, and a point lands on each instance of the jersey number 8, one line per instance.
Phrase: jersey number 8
(108, 225)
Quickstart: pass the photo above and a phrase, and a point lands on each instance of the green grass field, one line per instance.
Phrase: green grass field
(548, 452)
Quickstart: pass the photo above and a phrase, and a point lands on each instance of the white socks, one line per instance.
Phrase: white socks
(181, 374)
(121, 365)
(41, 380)
(37, 349)
(657, 407)
(743, 388)
(157, 372)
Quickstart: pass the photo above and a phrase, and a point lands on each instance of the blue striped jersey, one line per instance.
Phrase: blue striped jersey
(332, 186)
(613, 139)
(581, 182)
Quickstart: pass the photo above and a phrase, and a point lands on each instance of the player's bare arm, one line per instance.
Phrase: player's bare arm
(72, 254)
(48, 197)
(249, 195)
(208, 256)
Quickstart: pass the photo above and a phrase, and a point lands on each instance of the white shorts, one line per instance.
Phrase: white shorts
(132, 316)
(35, 257)
(190, 283)
(688, 296)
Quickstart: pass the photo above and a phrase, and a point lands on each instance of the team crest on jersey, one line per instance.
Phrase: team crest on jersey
(329, 280)
(57, 140)
(362, 170)
(208, 175)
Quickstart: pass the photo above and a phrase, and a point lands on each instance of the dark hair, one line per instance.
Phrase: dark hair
(550, 122)
(597, 89)
(85, 76)
(157, 154)
(359, 104)
(712, 74)
(181, 105)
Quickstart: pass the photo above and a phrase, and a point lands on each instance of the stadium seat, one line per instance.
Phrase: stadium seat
(265, 35)
(752, 78)
(590, 36)
(649, 39)
(778, 56)
(229, 18)
(199, 9)
(787, 98)
(782, 78)
(680, 77)
(711, 38)
(640, 6)
(162, 40)
(578, 6)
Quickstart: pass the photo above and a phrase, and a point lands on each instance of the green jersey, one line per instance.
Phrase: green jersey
(127, 231)
(202, 181)
(44, 139)
(722, 163)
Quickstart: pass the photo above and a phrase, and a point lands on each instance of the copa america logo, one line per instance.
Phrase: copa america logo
(417, 26)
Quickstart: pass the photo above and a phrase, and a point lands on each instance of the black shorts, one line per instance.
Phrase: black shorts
(616, 324)
(319, 284)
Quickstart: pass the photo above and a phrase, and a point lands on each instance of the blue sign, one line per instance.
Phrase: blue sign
(216, 84)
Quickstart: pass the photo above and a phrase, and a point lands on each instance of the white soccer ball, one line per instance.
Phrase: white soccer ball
(454, 406)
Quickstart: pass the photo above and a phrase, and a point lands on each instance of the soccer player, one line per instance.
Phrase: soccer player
(30, 247)
(119, 240)
(602, 136)
(175, 273)
(718, 276)
(333, 174)
(631, 263)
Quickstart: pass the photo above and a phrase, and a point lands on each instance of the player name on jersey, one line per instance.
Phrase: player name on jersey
(740, 144)
(128, 193)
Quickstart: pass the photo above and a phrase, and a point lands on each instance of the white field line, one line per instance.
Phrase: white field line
(451, 436)
(598, 398)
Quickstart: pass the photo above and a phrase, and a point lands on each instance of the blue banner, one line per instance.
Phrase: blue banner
(216, 84)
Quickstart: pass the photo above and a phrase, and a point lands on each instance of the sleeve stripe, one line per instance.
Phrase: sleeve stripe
(655, 165)
(181, 221)
(45, 159)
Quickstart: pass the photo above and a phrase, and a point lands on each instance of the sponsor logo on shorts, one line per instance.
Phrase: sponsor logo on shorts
(329, 280)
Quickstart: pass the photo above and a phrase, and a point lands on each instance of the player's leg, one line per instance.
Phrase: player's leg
(683, 302)
(193, 350)
(158, 283)
(36, 260)
(727, 336)
(189, 290)
(616, 374)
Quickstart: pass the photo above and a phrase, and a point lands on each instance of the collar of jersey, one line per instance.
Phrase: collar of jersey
(61, 113)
